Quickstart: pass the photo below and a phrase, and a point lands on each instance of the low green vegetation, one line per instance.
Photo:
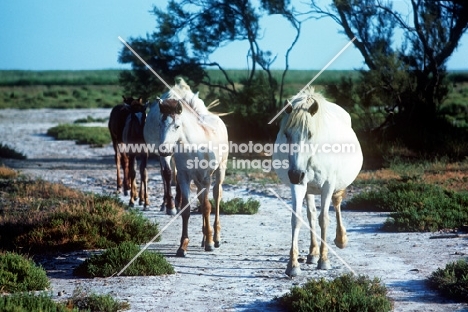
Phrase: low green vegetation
(239, 206)
(37, 215)
(95, 136)
(89, 119)
(8, 152)
(344, 293)
(84, 301)
(415, 206)
(27, 302)
(18, 273)
(81, 301)
(113, 260)
(243, 170)
(452, 281)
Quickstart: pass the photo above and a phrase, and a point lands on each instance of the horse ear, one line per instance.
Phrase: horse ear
(179, 107)
(288, 105)
(313, 108)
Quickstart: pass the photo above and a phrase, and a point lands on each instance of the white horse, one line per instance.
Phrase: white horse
(151, 132)
(324, 158)
(198, 141)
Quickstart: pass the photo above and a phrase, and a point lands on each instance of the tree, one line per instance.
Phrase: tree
(407, 79)
(189, 31)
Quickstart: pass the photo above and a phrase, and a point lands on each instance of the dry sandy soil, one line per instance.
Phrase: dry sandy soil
(247, 271)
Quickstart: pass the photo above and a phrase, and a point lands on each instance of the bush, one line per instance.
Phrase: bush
(20, 274)
(344, 293)
(452, 281)
(237, 206)
(92, 302)
(8, 152)
(41, 216)
(26, 302)
(415, 206)
(96, 136)
(115, 259)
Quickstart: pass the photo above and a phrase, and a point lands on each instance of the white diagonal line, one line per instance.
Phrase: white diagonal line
(313, 79)
(159, 234)
(303, 222)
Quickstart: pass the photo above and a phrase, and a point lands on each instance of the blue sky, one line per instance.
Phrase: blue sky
(76, 35)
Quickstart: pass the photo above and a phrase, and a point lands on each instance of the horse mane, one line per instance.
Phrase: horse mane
(327, 114)
(181, 91)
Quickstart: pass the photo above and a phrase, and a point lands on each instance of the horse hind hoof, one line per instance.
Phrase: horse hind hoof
(311, 259)
(131, 205)
(293, 271)
(324, 265)
(181, 253)
(171, 212)
(209, 247)
(217, 244)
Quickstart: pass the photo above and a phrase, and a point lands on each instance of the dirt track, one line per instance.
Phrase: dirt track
(247, 271)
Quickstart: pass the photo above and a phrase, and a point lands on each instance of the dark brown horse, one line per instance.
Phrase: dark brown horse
(117, 119)
(133, 134)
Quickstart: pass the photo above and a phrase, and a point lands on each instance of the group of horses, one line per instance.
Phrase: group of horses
(179, 117)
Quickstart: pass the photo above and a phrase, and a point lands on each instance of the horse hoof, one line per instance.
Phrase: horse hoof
(209, 247)
(341, 243)
(131, 204)
(171, 212)
(324, 265)
(126, 193)
(293, 271)
(312, 259)
(181, 253)
(162, 208)
(217, 244)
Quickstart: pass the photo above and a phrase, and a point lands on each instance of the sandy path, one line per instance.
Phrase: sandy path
(247, 271)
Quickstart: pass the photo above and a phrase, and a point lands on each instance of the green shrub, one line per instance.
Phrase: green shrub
(415, 206)
(344, 293)
(8, 152)
(92, 302)
(89, 119)
(452, 281)
(96, 136)
(237, 206)
(41, 216)
(115, 259)
(27, 302)
(20, 274)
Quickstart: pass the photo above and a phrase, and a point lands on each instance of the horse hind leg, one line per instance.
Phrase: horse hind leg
(144, 182)
(341, 239)
(217, 195)
(117, 165)
(124, 162)
(132, 180)
(168, 201)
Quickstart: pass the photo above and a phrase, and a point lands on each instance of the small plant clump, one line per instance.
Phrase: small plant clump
(41, 216)
(8, 152)
(344, 293)
(83, 301)
(237, 206)
(18, 273)
(27, 302)
(452, 281)
(115, 259)
(95, 136)
(415, 206)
